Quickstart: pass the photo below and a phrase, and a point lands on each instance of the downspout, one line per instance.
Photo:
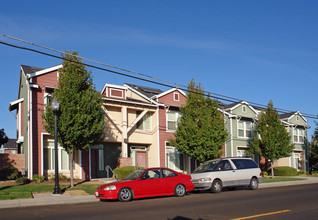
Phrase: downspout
(231, 128)
(158, 136)
(30, 134)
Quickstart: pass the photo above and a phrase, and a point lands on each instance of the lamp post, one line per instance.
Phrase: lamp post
(55, 107)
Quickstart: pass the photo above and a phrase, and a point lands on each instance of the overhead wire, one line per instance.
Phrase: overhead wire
(141, 76)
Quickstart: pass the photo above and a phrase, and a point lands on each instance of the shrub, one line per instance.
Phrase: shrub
(284, 171)
(302, 172)
(38, 179)
(122, 172)
(314, 172)
(264, 174)
(23, 180)
(9, 173)
(61, 177)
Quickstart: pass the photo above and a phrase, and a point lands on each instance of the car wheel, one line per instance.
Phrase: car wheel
(125, 195)
(253, 184)
(216, 186)
(180, 190)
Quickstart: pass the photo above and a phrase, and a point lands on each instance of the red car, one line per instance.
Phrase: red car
(146, 183)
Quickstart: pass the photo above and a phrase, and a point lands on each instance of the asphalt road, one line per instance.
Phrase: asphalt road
(292, 202)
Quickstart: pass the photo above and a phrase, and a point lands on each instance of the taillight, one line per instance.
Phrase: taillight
(261, 174)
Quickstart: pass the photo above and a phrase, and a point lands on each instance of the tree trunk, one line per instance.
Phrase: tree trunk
(71, 167)
(272, 169)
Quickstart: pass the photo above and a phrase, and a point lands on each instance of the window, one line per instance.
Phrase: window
(241, 153)
(151, 174)
(176, 96)
(49, 157)
(244, 164)
(245, 129)
(244, 108)
(145, 122)
(172, 120)
(223, 165)
(297, 161)
(116, 93)
(174, 158)
(168, 173)
(298, 135)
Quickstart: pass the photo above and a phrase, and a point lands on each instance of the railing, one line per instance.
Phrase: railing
(108, 170)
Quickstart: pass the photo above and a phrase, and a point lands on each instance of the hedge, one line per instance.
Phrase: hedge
(283, 171)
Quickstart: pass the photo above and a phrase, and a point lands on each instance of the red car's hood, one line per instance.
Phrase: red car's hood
(116, 183)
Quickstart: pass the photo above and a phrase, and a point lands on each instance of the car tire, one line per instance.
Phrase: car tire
(253, 184)
(125, 195)
(216, 186)
(180, 190)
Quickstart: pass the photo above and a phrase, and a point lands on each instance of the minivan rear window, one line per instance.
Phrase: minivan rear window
(244, 164)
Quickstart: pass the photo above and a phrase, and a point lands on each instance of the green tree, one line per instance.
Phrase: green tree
(313, 147)
(3, 137)
(200, 133)
(80, 118)
(271, 140)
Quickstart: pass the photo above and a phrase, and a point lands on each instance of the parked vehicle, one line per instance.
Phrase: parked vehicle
(146, 183)
(227, 172)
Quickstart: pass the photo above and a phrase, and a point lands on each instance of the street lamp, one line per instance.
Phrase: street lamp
(55, 107)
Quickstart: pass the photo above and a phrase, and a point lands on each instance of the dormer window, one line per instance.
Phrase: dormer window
(116, 93)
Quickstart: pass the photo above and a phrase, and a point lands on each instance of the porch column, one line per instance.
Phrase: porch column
(124, 134)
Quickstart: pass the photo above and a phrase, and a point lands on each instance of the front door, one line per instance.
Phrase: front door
(141, 159)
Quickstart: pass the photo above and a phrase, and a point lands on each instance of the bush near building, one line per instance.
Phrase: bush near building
(284, 171)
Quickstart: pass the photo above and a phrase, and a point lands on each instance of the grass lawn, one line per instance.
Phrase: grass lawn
(280, 179)
(25, 191)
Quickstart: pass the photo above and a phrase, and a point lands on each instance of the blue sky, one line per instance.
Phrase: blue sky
(251, 50)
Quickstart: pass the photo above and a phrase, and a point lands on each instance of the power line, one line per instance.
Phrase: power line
(215, 96)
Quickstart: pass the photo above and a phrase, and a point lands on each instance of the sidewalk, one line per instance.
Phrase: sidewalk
(50, 199)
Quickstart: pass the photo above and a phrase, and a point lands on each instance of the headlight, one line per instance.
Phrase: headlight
(111, 187)
(207, 179)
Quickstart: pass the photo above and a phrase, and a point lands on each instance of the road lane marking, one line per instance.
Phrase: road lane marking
(260, 215)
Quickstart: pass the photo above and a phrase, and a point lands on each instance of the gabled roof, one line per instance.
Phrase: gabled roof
(147, 91)
(30, 69)
(169, 91)
(39, 71)
(287, 116)
(236, 104)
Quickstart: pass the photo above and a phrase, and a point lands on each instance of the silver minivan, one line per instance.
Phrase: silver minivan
(227, 172)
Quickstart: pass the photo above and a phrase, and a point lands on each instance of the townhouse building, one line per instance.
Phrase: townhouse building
(240, 119)
(139, 122)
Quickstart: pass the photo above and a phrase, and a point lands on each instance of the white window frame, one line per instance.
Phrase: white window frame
(143, 122)
(297, 162)
(177, 114)
(114, 96)
(174, 96)
(175, 152)
(51, 148)
(244, 129)
(297, 136)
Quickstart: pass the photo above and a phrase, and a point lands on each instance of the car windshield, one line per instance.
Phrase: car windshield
(134, 175)
(206, 166)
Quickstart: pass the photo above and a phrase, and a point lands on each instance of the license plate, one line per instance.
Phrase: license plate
(96, 193)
